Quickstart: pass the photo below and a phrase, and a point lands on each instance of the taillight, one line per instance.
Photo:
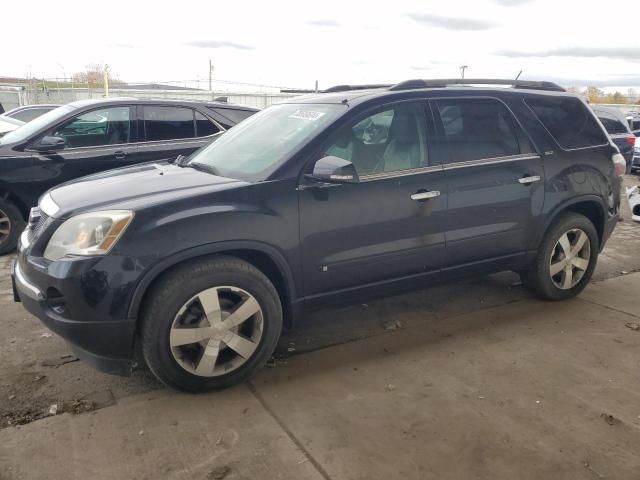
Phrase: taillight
(619, 164)
(631, 141)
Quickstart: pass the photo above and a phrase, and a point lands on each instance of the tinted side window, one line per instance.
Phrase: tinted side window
(29, 114)
(106, 126)
(168, 123)
(569, 121)
(204, 126)
(479, 128)
(387, 141)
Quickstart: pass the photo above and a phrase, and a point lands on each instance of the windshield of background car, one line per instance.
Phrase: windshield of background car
(22, 133)
(256, 147)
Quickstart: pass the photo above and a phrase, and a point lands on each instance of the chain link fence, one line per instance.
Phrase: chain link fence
(14, 96)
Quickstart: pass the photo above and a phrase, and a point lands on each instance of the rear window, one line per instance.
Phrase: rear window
(569, 121)
(612, 124)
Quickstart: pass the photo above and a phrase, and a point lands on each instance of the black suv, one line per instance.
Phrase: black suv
(90, 136)
(328, 198)
(616, 125)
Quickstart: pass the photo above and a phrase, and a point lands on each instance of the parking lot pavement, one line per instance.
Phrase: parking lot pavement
(525, 390)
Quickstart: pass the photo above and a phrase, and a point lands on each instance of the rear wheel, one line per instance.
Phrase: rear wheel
(566, 258)
(11, 226)
(210, 324)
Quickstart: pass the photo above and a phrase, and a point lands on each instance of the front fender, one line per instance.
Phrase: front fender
(209, 249)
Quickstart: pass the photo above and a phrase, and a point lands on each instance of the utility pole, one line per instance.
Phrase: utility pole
(210, 74)
(462, 69)
(106, 81)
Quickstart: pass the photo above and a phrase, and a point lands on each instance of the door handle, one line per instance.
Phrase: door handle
(529, 180)
(418, 196)
(119, 155)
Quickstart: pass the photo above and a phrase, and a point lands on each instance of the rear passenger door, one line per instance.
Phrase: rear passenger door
(168, 131)
(494, 177)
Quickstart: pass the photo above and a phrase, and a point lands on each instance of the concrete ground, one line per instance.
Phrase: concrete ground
(469, 380)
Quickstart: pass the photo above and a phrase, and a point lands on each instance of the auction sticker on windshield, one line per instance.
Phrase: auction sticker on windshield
(306, 115)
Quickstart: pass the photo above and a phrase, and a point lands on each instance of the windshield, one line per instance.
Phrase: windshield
(256, 147)
(22, 133)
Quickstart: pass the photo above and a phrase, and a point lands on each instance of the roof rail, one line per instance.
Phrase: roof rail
(441, 83)
(347, 88)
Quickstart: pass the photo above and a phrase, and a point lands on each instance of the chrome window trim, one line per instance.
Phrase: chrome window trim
(400, 173)
(491, 161)
(155, 143)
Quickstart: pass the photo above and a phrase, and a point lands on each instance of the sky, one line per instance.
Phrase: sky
(295, 43)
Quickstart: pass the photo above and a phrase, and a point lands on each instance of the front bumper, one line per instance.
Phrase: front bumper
(105, 343)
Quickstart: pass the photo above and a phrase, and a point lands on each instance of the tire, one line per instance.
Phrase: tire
(176, 305)
(562, 286)
(11, 226)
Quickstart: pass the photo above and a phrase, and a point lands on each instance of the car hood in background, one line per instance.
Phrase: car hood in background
(8, 124)
(136, 187)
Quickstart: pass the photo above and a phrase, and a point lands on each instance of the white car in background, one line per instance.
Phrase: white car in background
(8, 124)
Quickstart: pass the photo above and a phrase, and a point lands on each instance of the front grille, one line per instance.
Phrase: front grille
(37, 221)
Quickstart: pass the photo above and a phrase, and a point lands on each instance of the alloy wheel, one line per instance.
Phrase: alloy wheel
(216, 331)
(5, 226)
(570, 259)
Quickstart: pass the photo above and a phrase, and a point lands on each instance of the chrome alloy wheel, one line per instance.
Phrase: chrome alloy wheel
(216, 331)
(5, 226)
(570, 259)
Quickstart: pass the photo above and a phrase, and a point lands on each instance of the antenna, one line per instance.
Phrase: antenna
(462, 69)
(518, 76)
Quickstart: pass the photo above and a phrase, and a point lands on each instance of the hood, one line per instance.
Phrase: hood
(136, 187)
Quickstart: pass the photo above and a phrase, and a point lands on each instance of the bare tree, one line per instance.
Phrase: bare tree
(94, 76)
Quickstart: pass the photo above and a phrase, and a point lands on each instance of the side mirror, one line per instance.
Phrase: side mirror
(49, 144)
(334, 170)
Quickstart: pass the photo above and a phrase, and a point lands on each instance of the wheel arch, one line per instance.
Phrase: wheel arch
(264, 257)
(8, 195)
(591, 206)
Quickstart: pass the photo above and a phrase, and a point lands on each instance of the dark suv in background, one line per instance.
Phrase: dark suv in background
(330, 198)
(618, 129)
(90, 136)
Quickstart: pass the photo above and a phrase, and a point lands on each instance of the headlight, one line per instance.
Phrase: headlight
(92, 233)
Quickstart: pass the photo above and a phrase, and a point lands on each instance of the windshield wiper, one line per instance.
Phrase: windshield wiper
(203, 167)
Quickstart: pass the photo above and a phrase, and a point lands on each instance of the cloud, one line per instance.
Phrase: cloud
(512, 3)
(451, 23)
(219, 44)
(323, 23)
(623, 53)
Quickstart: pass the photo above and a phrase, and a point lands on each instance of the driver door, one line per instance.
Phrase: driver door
(383, 227)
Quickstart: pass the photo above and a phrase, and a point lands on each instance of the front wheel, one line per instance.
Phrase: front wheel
(566, 258)
(210, 324)
(11, 226)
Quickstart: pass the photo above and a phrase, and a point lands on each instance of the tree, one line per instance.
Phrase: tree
(594, 94)
(94, 75)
